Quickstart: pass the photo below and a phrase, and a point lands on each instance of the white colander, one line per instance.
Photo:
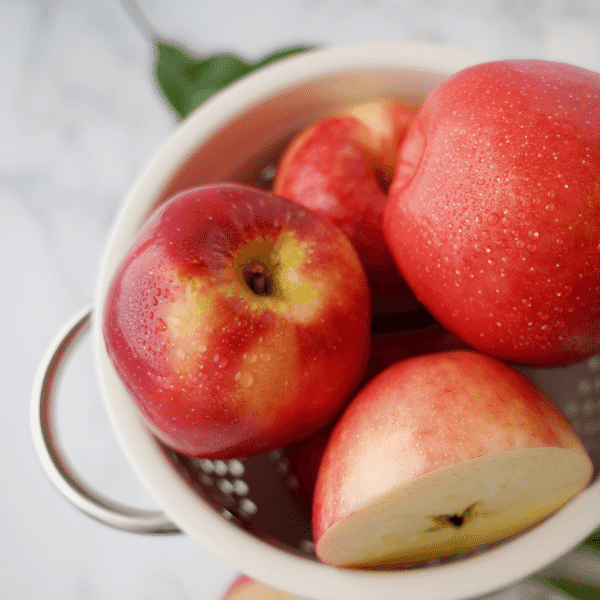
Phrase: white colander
(247, 511)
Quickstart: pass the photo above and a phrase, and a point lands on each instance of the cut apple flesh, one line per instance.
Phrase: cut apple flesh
(457, 508)
(254, 590)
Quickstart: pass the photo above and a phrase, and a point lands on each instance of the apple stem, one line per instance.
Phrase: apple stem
(258, 278)
(383, 176)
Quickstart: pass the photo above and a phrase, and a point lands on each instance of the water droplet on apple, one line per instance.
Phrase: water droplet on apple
(485, 234)
(493, 218)
(244, 378)
(478, 219)
(161, 325)
(559, 241)
(519, 243)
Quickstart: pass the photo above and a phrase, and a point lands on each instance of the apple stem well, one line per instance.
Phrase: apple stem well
(258, 278)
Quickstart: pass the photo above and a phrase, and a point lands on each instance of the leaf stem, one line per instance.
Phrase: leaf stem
(140, 20)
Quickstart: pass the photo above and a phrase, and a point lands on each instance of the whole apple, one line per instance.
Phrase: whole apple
(494, 213)
(438, 455)
(341, 166)
(238, 321)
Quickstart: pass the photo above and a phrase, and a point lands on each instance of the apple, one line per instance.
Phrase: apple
(341, 167)
(388, 348)
(238, 321)
(303, 459)
(245, 588)
(438, 455)
(493, 216)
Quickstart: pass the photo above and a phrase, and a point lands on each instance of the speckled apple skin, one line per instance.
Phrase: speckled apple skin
(425, 413)
(216, 370)
(337, 166)
(494, 214)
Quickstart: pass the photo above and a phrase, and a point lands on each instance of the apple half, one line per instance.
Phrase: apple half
(439, 455)
(245, 588)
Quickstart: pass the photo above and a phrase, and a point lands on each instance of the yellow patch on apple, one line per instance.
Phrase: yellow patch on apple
(270, 275)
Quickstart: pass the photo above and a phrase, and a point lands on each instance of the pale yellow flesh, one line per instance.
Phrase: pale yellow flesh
(497, 495)
(254, 590)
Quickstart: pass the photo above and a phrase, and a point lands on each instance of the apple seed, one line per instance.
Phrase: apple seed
(455, 520)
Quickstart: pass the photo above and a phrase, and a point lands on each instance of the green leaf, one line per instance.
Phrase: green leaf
(577, 591)
(593, 542)
(186, 80)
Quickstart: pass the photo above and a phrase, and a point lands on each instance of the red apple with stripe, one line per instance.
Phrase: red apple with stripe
(341, 167)
(238, 321)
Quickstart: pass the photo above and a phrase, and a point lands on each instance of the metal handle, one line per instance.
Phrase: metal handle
(58, 468)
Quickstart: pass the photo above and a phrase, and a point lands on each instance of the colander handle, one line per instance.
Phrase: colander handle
(49, 451)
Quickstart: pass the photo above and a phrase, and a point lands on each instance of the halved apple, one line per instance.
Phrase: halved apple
(439, 455)
(245, 588)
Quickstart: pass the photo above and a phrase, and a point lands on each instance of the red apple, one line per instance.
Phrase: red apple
(494, 214)
(341, 167)
(389, 348)
(304, 459)
(238, 321)
(245, 588)
(438, 455)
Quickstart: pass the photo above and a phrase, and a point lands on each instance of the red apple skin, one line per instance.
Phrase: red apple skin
(425, 413)
(304, 460)
(494, 213)
(216, 369)
(390, 348)
(341, 166)
(236, 585)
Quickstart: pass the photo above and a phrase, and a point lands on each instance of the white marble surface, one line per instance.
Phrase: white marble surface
(79, 117)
